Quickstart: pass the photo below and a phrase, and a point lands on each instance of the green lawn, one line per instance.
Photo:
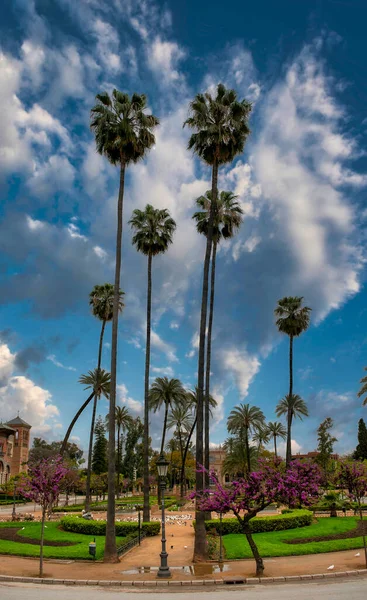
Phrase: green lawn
(53, 533)
(273, 543)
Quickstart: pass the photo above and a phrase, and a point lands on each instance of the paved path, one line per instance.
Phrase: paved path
(349, 589)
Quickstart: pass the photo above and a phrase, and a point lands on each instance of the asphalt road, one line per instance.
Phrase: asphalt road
(351, 589)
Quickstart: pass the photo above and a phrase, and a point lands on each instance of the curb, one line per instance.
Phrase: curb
(188, 582)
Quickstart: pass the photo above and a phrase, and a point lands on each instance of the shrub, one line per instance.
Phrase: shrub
(296, 518)
(79, 525)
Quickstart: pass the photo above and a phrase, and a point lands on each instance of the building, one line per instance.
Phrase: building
(216, 458)
(312, 456)
(14, 448)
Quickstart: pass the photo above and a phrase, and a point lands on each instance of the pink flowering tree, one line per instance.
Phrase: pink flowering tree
(42, 485)
(352, 476)
(296, 486)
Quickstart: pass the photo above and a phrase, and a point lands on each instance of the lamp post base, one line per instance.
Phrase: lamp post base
(163, 571)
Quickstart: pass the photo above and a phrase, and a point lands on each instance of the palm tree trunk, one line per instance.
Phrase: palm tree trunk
(207, 374)
(164, 426)
(275, 446)
(146, 507)
(185, 456)
(248, 459)
(70, 428)
(90, 449)
(110, 551)
(289, 416)
(118, 459)
(200, 548)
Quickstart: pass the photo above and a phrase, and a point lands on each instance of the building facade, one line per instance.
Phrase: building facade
(14, 448)
(216, 458)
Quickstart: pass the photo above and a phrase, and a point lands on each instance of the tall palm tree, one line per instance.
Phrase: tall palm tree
(220, 125)
(276, 430)
(293, 407)
(227, 219)
(123, 420)
(153, 229)
(99, 381)
(292, 319)
(245, 420)
(168, 393)
(123, 133)
(236, 459)
(363, 389)
(101, 302)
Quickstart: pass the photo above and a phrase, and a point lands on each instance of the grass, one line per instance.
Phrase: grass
(53, 533)
(273, 543)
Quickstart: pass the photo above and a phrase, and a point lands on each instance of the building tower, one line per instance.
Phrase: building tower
(20, 445)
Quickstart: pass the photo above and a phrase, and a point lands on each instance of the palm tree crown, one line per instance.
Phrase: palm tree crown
(277, 429)
(164, 391)
(122, 128)
(154, 229)
(245, 418)
(293, 405)
(292, 317)
(101, 301)
(227, 219)
(220, 124)
(98, 380)
(363, 389)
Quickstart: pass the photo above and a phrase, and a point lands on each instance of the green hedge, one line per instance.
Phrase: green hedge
(79, 525)
(297, 518)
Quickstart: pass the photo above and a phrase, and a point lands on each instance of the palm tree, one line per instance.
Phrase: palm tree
(180, 417)
(154, 229)
(168, 393)
(221, 128)
(261, 437)
(293, 407)
(245, 420)
(363, 389)
(227, 219)
(99, 381)
(101, 301)
(123, 133)
(236, 458)
(123, 420)
(276, 430)
(292, 319)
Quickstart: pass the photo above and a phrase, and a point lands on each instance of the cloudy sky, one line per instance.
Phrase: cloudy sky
(302, 182)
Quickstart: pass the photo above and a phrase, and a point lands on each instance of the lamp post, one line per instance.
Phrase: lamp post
(162, 466)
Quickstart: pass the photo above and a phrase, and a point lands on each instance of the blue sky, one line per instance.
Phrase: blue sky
(301, 180)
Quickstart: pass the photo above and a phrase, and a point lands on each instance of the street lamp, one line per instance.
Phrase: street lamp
(220, 540)
(162, 466)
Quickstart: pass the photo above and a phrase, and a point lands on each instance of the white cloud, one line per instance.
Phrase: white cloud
(123, 397)
(241, 365)
(55, 175)
(107, 45)
(162, 346)
(163, 371)
(102, 254)
(174, 325)
(296, 448)
(57, 363)
(163, 58)
(134, 341)
(19, 393)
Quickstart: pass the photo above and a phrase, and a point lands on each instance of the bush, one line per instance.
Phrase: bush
(79, 525)
(296, 518)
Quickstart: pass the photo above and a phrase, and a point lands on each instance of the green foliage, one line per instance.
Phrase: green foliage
(275, 543)
(42, 449)
(153, 230)
(361, 450)
(325, 443)
(52, 533)
(292, 317)
(296, 518)
(101, 301)
(133, 455)
(99, 461)
(78, 525)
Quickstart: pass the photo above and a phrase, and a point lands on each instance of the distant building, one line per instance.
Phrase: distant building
(216, 459)
(312, 456)
(14, 448)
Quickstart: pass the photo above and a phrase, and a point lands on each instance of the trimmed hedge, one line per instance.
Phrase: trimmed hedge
(297, 518)
(79, 525)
